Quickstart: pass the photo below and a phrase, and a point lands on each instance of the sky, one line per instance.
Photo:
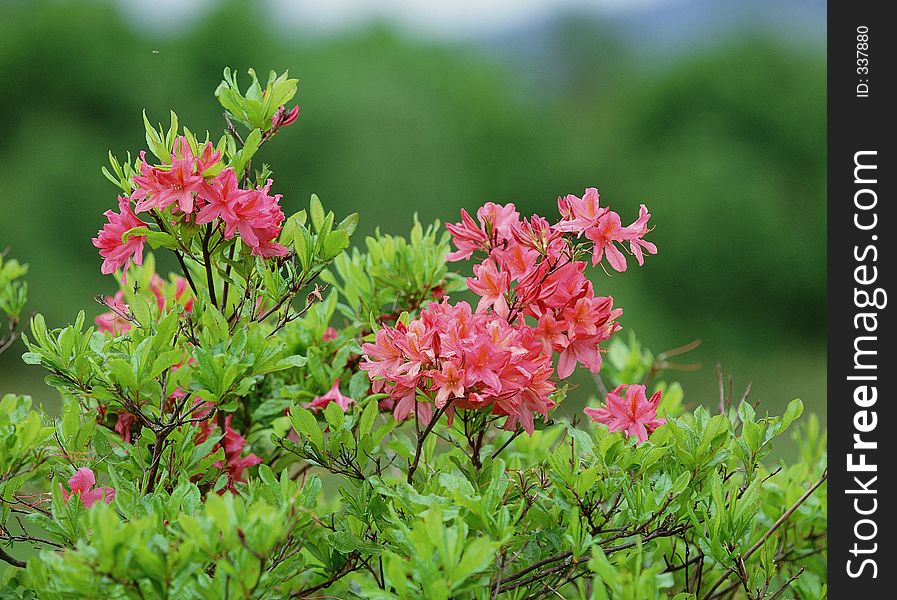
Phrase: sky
(441, 18)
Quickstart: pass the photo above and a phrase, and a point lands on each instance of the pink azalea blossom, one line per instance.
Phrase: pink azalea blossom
(496, 226)
(330, 334)
(633, 413)
(81, 484)
(491, 285)
(579, 214)
(257, 217)
(449, 382)
(535, 302)
(333, 395)
(463, 360)
(116, 252)
(283, 117)
(636, 232)
(223, 199)
(582, 350)
(179, 183)
(603, 227)
(467, 236)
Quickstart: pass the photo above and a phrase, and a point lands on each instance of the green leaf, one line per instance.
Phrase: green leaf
(267, 475)
(680, 484)
(292, 361)
(122, 373)
(316, 212)
(335, 242)
(250, 147)
(335, 416)
(478, 556)
(345, 543)
(349, 224)
(795, 410)
(366, 422)
(304, 423)
(31, 358)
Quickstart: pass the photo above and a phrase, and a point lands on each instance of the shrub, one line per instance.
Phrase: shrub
(289, 417)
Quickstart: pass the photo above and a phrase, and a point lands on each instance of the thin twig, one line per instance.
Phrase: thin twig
(11, 560)
(423, 436)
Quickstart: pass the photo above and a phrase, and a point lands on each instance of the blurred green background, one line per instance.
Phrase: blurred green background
(713, 114)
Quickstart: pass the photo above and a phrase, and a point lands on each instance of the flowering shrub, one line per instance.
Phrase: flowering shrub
(289, 417)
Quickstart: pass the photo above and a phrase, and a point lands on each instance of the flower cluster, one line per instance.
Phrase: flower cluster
(630, 412)
(81, 484)
(471, 360)
(530, 270)
(198, 189)
(603, 227)
(535, 300)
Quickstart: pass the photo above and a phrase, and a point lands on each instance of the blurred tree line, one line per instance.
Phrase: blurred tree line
(725, 146)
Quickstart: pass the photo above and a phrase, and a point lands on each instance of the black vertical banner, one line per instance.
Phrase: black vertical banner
(861, 259)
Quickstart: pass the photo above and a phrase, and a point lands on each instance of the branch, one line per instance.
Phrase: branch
(9, 559)
(768, 533)
(348, 568)
(161, 223)
(423, 436)
(210, 280)
(787, 583)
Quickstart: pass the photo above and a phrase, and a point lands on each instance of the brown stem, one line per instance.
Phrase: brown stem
(423, 436)
(210, 280)
(507, 442)
(158, 448)
(227, 270)
(11, 560)
(158, 219)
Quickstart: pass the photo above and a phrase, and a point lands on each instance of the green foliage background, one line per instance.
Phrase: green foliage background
(724, 142)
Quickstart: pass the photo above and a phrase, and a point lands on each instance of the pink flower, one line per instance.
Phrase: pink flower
(603, 228)
(333, 395)
(178, 184)
(579, 214)
(449, 383)
(471, 361)
(583, 350)
(116, 252)
(282, 118)
(208, 159)
(258, 217)
(496, 227)
(603, 235)
(633, 414)
(491, 285)
(467, 236)
(636, 232)
(81, 484)
(330, 334)
(224, 196)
